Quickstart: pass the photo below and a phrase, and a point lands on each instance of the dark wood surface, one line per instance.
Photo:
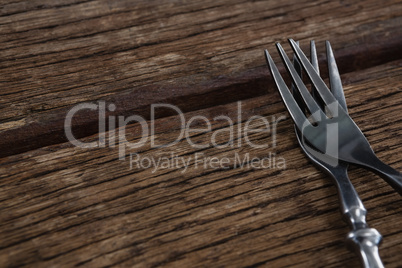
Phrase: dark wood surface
(135, 53)
(66, 206)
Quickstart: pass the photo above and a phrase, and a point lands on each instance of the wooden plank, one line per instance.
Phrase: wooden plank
(55, 54)
(62, 205)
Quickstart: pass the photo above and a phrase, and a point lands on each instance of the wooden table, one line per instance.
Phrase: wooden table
(62, 205)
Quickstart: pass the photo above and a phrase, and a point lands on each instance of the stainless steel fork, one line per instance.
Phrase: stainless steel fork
(332, 132)
(364, 239)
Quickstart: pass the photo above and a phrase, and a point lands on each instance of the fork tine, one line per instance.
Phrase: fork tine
(313, 56)
(334, 78)
(316, 80)
(314, 62)
(294, 110)
(295, 92)
(312, 106)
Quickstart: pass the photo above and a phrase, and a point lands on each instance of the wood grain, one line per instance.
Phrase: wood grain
(67, 206)
(55, 54)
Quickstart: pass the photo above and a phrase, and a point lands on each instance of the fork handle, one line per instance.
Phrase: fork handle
(363, 239)
(390, 175)
(366, 242)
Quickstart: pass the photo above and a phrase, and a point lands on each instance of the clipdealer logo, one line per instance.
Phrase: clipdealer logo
(238, 133)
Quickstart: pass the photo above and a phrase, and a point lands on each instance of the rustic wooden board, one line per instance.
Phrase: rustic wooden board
(62, 205)
(55, 54)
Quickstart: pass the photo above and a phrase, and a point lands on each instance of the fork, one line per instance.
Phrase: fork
(364, 239)
(332, 131)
